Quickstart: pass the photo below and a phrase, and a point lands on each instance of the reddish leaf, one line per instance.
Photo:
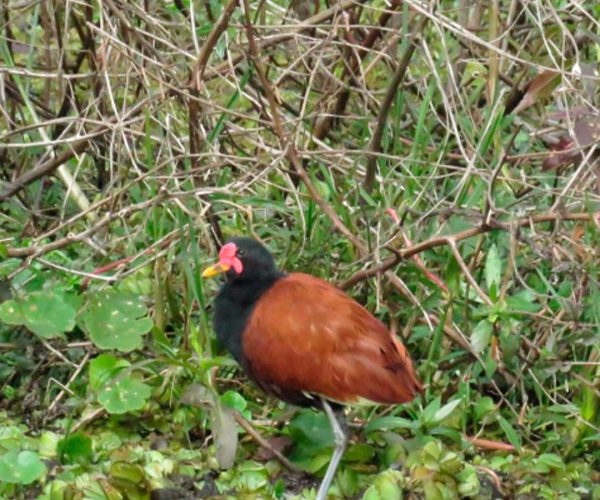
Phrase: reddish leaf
(587, 130)
(488, 444)
(393, 214)
(561, 154)
(567, 150)
(276, 443)
(570, 113)
(538, 88)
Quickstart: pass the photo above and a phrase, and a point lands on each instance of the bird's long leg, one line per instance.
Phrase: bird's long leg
(338, 426)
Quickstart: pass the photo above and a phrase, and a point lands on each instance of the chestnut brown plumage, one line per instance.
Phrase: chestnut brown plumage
(306, 342)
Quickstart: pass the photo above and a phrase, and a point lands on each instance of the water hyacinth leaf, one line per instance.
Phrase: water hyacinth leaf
(125, 395)
(116, 320)
(22, 467)
(44, 313)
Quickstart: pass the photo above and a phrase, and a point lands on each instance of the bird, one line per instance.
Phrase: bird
(306, 342)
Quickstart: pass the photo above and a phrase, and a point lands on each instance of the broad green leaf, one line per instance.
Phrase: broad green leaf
(480, 338)
(21, 467)
(11, 437)
(103, 368)
(44, 313)
(125, 395)
(311, 430)
(75, 448)
(493, 268)
(234, 400)
(114, 320)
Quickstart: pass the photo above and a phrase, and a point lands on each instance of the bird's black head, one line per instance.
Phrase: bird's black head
(244, 259)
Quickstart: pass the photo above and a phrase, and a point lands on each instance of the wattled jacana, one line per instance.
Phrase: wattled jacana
(306, 342)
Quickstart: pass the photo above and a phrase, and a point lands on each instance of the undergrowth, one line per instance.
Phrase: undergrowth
(438, 161)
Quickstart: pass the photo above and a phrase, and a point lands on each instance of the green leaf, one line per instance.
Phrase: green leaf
(428, 414)
(484, 406)
(445, 411)
(75, 448)
(391, 423)
(387, 484)
(480, 338)
(125, 395)
(133, 473)
(48, 444)
(360, 452)
(511, 433)
(21, 467)
(44, 313)
(113, 320)
(103, 368)
(311, 431)
(469, 481)
(234, 400)
(551, 460)
(523, 301)
(493, 268)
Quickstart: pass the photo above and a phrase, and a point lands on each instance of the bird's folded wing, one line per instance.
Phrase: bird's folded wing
(306, 336)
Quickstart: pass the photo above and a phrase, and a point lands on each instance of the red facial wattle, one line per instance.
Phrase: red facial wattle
(228, 257)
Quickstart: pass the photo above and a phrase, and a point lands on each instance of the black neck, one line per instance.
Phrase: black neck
(233, 306)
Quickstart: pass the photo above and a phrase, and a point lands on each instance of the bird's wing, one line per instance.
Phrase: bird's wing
(306, 336)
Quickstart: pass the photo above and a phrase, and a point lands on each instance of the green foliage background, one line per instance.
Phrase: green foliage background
(451, 149)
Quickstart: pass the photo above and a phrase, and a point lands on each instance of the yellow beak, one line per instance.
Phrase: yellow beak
(218, 268)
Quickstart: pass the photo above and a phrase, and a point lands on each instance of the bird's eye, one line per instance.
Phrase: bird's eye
(241, 253)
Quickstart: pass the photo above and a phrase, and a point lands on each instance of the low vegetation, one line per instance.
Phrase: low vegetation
(438, 161)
